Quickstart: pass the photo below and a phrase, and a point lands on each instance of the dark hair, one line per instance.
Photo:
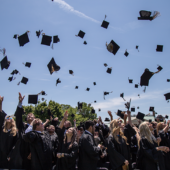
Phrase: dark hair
(36, 123)
(89, 123)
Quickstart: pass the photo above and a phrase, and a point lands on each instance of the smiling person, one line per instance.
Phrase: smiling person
(40, 146)
(8, 138)
(68, 153)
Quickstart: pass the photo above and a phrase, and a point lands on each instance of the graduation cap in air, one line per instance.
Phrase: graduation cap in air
(99, 110)
(105, 24)
(105, 64)
(139, 95)
(159, 48)
(126, 53)
(52, 66)
(71, 72)
(76, 87)
(144, 80)
(81, 34)
(23, 39)
(146, 15)
(32, 99)
(151, 109)
(166, 116)
(43, 93)
(10, 78)
(106, 93)
(122, 95)
(168, 80)
(109, 70)
(85, 42)
(136, 85)
(87, 89)
(56, 39)
(120, 114)
(15, 72)
(95, 101)
(24, 80)
(72, 115)
(43, 99)
(93, 111)
(46, 40)
(27, 64)
(38, 33)
(130, 80)
(80, 105)
(167, 96)
(107, 119)
(113, 47)
(15, 36)
(150, 120)
(138, 107)
(159, 68)
(58, 81)
(140, 116)
(5, 63)
(132, 109)
(94, 83)
(127, 105)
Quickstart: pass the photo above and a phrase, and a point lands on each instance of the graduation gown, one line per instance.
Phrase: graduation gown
(88, 152)
(41, 150)
(68, 162)
(148, 158)
(117, 152)
(7, 143)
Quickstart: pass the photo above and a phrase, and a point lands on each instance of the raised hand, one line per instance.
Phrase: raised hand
(1, 99)
(21, 98)
(66, 115)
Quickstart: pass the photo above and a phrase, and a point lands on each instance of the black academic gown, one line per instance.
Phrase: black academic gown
(41, 150)
(7, 145)
(148, 158)
(117, 152)
(68, 162)
(24, 146)
(88, 152)
(165, 142)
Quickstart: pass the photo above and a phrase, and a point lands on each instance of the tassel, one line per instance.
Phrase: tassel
(18, 84)
(156, 14)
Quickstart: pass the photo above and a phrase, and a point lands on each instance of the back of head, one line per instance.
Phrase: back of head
(88, 123)
(113, 124)
(36, 123)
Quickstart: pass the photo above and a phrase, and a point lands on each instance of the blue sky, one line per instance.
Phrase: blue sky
(65, 19)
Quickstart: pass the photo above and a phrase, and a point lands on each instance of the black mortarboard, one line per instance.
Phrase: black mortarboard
(80, 105)
(115, 47)
(70, 71)
(137, 47)
(99, 110)
(133, 109)
(138, 107)
(43, 93)
(122, 95)
(52, 66)
(85, 43)
(94, 83)
(166, 116)
(120, 114)
(150, 120)
(159, 68)
(43, 99)
(151, 109)
(58, 81)
(38, 33)
(15, 72)
(107, 119)
(145, 15)
(24, 80)
(33, 99)
(167, 96)
(56, 39)
(140, 116)
(130, 80)
(46, 40)
(168, 80)
(159, 48)
(87, 89)
(76, 87)
(23, 39)
(136, 85)
(105, 24)
(93, 111)
(72, 115)
(109, 70)
(10, 78)
(81, 34)
(126, 53)
(15, 36)
(95, 101)
(27, 64)
(105, 64)
(5, 63)
(144, 81)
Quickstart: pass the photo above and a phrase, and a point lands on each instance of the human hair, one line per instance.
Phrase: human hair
(89, 123)
(70, 124)
(159, 127)
(113, 128)
(13, 127)
(73, 138)
(146, 133)
(36, 123)
(31, 114)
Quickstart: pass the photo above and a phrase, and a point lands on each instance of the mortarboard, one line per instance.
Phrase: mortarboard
(46, 40)
(120, 114)
(72, 115)
(99, 110)
(127, 105)
(159, 68)
(126, 53)
(115, 47)
(130, 80)
(85, 43)
(15, 72)
(87, 89)
(140, 116)
(93, 111)
(52, 66)
(33, 99)
(94, 83)
(27, 64)
(167, 96)
(5, 63)
(71, 72)
(166, 116)
(15, 36)
(133, 109)
(159, 48)
(107, 119)
(80, 105)
(95, 101)
(56, 39)
(145, 15)
(10, 78)
(151, 109)
(43, 93)
(144, 81)
(23, 39)
(38, 33)
(139, 95)
(136, 85)
(81, 34)
(150, 120)
(105, 64)
(137, 47)
(58, 81)
(168, 80)
(106, 93)
(109, 70)
(105, 24)
(43, 99)
(76, 87)
(24, 80)
(122, 95)
(138, 107)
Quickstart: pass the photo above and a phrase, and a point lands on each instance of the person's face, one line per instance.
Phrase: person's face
(30, 117)
(40, 127)
(69, 132)
(9, 119)
(51, 129)
(66, 124)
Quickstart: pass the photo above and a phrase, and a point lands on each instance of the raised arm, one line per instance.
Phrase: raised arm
(129, 118)
(2, 114)
(63, 120)
(167, 126)
(110, 114)
(1, 100)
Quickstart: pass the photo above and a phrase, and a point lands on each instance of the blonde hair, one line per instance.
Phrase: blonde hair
(13, 127)
(113, 128)
(146, 133)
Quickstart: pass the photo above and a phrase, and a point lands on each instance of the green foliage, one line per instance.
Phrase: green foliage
(40, 110)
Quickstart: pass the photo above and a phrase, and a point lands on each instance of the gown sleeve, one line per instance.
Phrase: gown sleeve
(30, 137)
(2, 119)
(74, 152)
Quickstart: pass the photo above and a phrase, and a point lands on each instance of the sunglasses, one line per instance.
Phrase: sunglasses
(9, 118)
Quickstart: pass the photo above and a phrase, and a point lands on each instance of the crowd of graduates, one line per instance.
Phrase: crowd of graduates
(34, 145)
